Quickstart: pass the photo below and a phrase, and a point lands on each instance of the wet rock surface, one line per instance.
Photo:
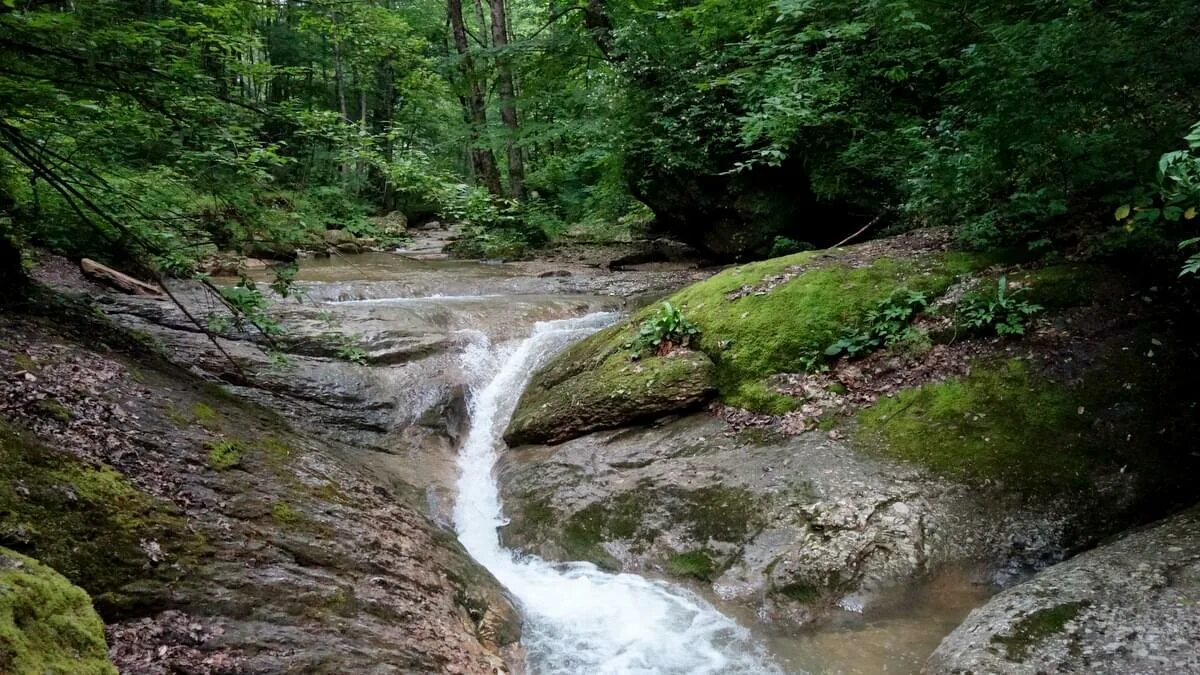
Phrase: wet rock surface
(281, 553)
(605, 393)
(301, 504)
(793, 527)
(1129, 606)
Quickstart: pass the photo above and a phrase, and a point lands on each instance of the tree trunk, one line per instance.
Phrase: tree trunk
(483, 160)
(508, 100)
(483, 25)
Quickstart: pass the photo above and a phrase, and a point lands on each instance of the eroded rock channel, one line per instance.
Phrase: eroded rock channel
(449, 466)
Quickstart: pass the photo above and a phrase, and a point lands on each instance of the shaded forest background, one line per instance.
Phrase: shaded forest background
(158, 131)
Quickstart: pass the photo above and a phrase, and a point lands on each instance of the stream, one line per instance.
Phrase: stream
(578, 618)
(485, 329)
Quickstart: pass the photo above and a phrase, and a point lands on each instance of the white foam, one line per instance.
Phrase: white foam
(579, 619)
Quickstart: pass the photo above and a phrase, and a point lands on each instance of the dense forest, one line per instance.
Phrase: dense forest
(157, 130)
(599, 336)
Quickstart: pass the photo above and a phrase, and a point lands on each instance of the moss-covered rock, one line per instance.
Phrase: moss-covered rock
(757, 320)
(607, 390)
(47, 625)
(1000, 424)
(123, 546)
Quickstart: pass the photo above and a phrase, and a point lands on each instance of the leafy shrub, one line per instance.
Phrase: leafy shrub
(668, 328)
(1003, 312)
(885, 325)
(786, 246)
(1171, 201)
(1192, 264)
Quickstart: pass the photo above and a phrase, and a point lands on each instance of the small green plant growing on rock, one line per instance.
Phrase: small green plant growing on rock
(223, 455)
(885, 325)
(284, 514)
(1004, 312)
(349, 348)
(205, 416)
(664, 331)
(696, 564)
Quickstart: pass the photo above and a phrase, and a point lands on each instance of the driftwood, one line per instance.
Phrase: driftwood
(119, 281)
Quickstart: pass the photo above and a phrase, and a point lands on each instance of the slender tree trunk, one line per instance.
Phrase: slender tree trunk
(508, 100)
(483, 160)
(483, 24)
(385, 114)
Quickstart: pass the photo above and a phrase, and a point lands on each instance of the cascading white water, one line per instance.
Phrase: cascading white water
(579, 619)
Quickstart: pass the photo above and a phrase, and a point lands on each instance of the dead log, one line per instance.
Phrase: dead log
(119, 281)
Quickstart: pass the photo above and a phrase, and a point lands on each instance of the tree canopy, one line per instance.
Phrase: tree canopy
(157, 131)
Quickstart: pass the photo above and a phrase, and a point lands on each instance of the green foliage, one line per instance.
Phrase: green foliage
(885, 325)
(350, 349)
(1192, 265)
(786, 246)
(666, 328)
(1173, 200)
(1003, 312)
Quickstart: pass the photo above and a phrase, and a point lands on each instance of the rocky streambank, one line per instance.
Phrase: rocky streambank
(1127, 606)
(235, 502)
(815, 486)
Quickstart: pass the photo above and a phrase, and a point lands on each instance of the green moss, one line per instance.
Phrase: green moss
(47, 625)
(619, 518)
(177, 416)
(330, 492)
(718, 513)
(48, 407)
(755, 335)
(781, 324)
(277, 451)
(206, 417)
(224, 454)
(713, 513)
(608, 389)
(1000, 424)
(696, 564)
(1070, 285)
(284, 514)
(24, 362)
(90, 525)
(800, 592)
(1034, 629)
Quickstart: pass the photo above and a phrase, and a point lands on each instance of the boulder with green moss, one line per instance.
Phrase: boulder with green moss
(1126, 607)
(47, 625)
(756, 321)
(607, 389)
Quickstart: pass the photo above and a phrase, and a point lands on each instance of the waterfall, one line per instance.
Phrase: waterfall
(578, 619)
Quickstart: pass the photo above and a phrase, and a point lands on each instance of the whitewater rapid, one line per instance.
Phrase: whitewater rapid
(578, 619)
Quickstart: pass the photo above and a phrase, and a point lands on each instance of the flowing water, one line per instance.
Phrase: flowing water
(579, 619)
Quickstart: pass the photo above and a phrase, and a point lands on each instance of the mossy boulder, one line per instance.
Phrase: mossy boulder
(606, 390)
(47, 625)
(756, 320)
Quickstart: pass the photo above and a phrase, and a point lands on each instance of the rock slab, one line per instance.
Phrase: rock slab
(1131, 606)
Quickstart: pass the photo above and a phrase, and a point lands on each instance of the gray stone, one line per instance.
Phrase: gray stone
(1128, 607)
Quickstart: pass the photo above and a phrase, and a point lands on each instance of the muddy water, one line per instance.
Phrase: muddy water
(456, 305)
